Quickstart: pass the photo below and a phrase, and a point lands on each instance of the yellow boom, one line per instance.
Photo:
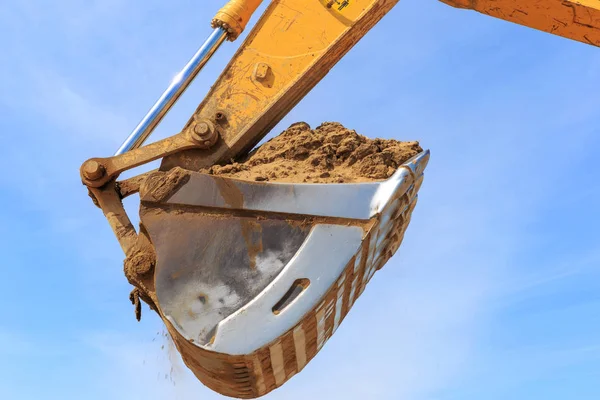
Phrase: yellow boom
(573, 19)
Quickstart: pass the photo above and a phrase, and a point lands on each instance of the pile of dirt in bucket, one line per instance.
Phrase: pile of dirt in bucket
(329, 153)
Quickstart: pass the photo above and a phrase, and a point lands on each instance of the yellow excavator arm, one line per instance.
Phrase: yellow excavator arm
(291, 48)
(574, 19)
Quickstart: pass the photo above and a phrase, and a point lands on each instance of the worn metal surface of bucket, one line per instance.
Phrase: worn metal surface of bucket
(254, 277)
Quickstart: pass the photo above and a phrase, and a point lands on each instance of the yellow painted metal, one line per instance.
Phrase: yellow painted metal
(295, 44)
(574, 19)
(292, 47)
(234, 16)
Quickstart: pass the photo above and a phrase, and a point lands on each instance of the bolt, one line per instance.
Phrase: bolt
(201, 128)
(93, 170)
(261, 70)
(205, 134)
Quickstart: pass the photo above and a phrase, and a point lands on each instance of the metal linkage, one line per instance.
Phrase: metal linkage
(179, 84)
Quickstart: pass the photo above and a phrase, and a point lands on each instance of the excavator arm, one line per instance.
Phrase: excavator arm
(291, 48)
(574, 19)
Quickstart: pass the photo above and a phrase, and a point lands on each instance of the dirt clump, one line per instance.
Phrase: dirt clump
(329, 153)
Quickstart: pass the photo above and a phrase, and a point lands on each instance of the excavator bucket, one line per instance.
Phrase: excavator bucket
(252, 278)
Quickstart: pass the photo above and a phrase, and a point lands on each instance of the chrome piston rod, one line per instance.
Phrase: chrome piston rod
(173, 92)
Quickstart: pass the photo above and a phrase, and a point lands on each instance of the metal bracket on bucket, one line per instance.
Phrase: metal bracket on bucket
(240, 263)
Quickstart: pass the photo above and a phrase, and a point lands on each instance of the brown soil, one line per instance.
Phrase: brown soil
(328, 154)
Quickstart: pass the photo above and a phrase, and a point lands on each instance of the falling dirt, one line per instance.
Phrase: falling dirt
(329, 153)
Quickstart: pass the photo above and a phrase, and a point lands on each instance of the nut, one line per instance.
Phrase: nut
(202, 128)
(205, 134)
(92, 170)
(261, 71)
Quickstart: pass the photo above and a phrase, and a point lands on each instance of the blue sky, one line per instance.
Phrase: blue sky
(495, 293)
